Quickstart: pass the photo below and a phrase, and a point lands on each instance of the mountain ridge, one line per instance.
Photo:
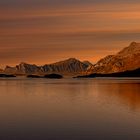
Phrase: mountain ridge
(125, 60)
(71, 66)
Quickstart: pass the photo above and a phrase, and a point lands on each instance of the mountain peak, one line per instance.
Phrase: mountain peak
(87, 63)
(7, 66)
(69, 66)
(72, 59)
(133, 44)
(133, 48)
(23, 63)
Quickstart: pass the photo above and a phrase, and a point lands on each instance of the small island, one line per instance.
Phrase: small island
(49, 76)
(53, 76)
(7, 75)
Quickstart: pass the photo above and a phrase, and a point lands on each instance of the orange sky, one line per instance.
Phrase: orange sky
(49, 32)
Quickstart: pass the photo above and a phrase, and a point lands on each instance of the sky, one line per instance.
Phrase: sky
(46, 31)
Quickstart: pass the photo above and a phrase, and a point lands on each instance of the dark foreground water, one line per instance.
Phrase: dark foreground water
(69, 109)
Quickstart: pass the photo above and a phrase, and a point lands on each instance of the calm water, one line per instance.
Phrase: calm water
(69, 109)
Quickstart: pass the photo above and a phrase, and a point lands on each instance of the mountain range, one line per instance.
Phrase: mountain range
(69, 67)
(127, 59)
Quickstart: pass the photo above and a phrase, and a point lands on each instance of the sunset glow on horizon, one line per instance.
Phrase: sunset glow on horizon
(40, 31)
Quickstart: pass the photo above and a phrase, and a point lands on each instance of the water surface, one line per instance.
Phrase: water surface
(69, 109)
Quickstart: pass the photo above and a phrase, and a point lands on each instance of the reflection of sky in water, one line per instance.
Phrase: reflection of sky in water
(70, 108)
